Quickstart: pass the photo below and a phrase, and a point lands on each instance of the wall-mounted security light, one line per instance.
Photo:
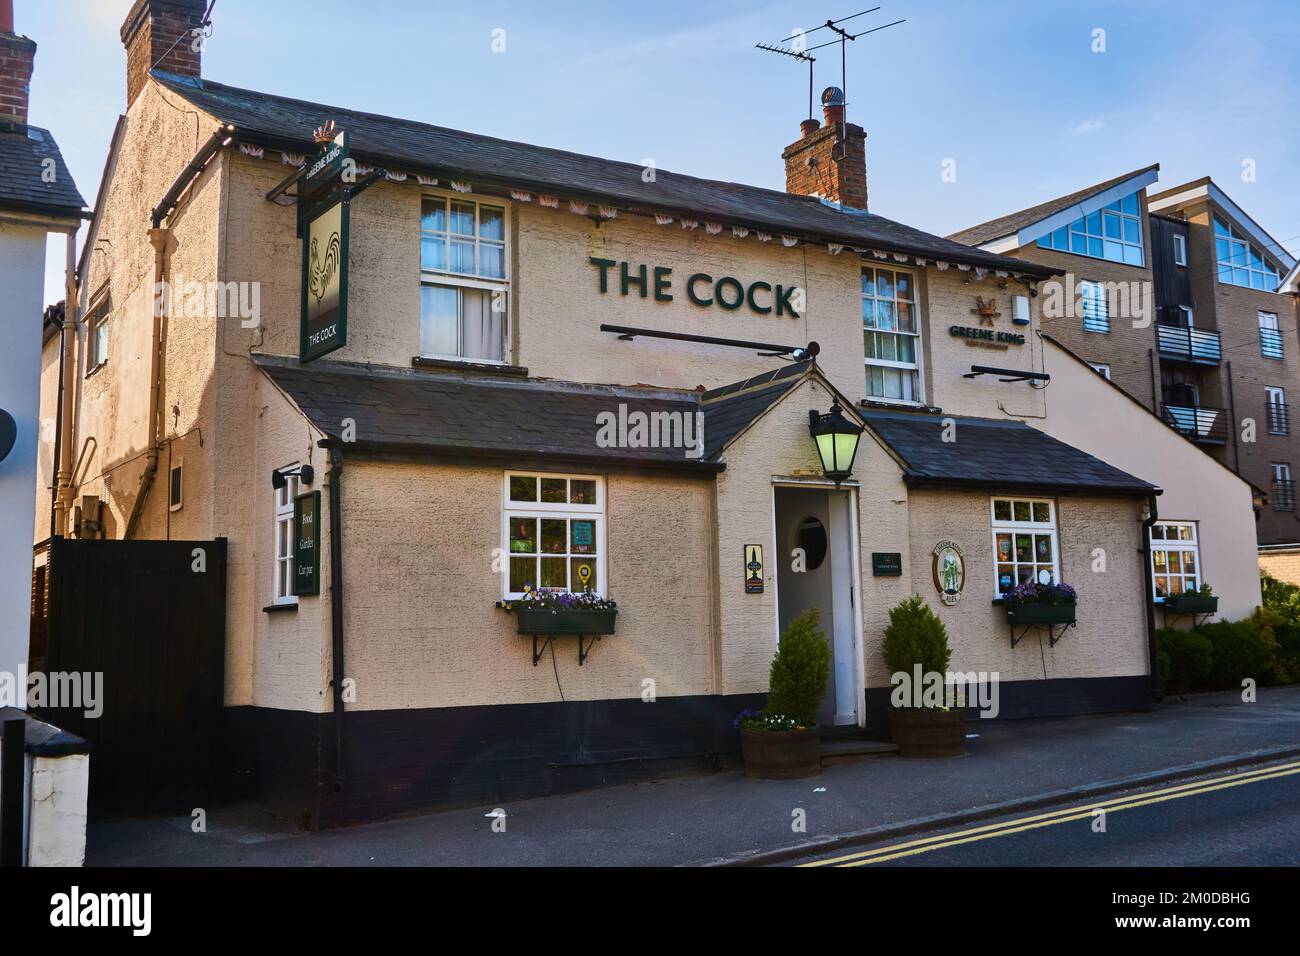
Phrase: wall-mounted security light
(280, 477)
(837, 441)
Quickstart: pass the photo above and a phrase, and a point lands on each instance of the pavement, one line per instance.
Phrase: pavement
(727, 819)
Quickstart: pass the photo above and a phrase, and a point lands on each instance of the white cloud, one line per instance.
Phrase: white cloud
(1086, 127)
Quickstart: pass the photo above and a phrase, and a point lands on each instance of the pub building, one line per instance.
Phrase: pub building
(481, 366)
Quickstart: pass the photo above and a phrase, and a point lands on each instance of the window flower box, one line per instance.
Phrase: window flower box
(573, 621)
(1041, 613)
(551, 614)
(1050, 605)
(1192, 604)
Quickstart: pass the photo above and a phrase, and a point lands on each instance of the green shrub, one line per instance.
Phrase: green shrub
(1240, 649)
(915, 635)
(800, 670)
(1282, 598)
(1186, 658)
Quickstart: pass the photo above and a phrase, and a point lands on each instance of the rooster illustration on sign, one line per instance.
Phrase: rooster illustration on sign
(321, 272)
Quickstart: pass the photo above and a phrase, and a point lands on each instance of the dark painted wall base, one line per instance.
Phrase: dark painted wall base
(401, 761)
(1058, 697)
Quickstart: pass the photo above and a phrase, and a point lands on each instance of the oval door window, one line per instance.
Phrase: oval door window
(811, 536)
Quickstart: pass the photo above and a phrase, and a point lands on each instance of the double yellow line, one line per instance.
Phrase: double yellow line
(1021, 824)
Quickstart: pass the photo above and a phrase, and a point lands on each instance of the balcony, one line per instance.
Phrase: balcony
(1200, 423)
(1283, 495)
(1279, 419)
(1270, 343)
(1200, 346)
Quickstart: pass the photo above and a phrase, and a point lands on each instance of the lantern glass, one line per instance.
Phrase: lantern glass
(837, 442)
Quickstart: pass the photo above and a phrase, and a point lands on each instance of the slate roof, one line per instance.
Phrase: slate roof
(453, 154)
(731, 409)
(1013, 222)
(23, 152)
(467, 415)
(996, 455)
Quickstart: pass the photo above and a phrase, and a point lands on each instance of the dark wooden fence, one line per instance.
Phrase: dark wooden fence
(150, 617)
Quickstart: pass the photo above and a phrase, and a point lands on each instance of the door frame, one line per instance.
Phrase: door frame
(855, 561)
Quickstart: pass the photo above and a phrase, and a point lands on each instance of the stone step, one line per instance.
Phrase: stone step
(840, 751)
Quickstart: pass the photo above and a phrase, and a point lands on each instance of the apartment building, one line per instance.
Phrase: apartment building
(1177, 298)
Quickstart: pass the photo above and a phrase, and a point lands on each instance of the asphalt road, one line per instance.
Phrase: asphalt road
(1244, 818)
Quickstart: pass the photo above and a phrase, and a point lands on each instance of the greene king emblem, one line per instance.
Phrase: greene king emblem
(949, 570)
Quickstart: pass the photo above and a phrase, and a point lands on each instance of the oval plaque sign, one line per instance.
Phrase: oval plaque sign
(949, 569)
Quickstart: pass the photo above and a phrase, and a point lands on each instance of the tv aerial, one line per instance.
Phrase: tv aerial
(803, 53)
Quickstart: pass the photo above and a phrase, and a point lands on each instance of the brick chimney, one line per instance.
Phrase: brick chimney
(158, 35)
(17, 58)
(829, 161)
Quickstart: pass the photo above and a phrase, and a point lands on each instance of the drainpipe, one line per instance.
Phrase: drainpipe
(1148, 592)
(158, 238)
(334, 485)
(67, 372)
(1232, 423)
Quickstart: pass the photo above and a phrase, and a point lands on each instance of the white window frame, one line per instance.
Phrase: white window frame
(1062, 239)
(1102, 369)
(1275, 397)
(1013, 528)
(544, 509)
(1094, 305)
(1181, 546)
(1189, 314)
(1240, 252)
(1268, 322)
(447, 278)
(918, 339)
(1180, 249)
(283, 502)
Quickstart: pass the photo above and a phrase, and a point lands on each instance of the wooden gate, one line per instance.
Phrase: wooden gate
(150, 617)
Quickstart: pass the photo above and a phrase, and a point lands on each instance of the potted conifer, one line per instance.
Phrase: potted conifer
(915, 647)
(782, 741)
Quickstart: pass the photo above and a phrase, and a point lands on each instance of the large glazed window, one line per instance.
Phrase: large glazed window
(891, 325)
(1240, 262)
(1113, 232)
(554, 533)
(464, 272)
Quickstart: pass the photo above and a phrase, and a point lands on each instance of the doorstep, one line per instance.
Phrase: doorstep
(845, 744)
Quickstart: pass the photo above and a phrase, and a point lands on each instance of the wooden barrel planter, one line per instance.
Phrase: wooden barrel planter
(781, 754)
(921, 732)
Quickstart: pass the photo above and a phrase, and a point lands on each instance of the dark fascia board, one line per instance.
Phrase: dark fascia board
(924, 483)
(522, 181)
(72, 216)
(392, 451)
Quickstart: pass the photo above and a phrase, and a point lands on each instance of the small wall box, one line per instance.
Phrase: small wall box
(1020, 309)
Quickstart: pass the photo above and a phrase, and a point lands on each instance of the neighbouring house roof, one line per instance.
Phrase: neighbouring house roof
(995, 455)
(403, 145)
(1016, 227)
(33, 176)
(1206, 188)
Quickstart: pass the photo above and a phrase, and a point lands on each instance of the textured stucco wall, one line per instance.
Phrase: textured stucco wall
(1087, 412)
(1110, 638)
(420, 617)
(59, 790)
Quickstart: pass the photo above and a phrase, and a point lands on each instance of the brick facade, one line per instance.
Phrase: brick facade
(17, 58)
(830, 162)
(157, 36)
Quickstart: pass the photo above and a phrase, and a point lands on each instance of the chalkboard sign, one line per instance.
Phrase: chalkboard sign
(886, 564)
(306, 544)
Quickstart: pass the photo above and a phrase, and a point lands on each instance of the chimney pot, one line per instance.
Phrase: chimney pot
(809, 126)
(829, 162)
(6, 16)
(17, 60)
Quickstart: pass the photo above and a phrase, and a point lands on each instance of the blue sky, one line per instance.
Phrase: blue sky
(1011, 90)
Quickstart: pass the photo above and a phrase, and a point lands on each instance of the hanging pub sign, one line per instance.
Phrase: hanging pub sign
(327, 198)
(306, 544)
(753, 569)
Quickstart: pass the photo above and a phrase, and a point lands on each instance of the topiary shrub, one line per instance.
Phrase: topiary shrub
(1241, 649)
(800, 670)
(915, 635)
(1185, 657)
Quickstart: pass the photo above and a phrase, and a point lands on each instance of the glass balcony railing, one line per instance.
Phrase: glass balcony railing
(1270, 343)
(1200, 423)
(1201, 346)
(1279, 419)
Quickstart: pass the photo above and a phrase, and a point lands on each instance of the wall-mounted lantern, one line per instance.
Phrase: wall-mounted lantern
(280, 478)
(8, 434)
(837, 441)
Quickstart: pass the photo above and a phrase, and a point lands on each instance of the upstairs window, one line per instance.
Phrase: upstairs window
(1102, 369)
(97, 337)
(1240, 262)
(464, 279)
(891, 335)
(1113, 232)
(1096, 310)
(1270, 337)
(284, 498)
(1180, 249)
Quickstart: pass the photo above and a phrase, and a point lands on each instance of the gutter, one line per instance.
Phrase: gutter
(1148, 592)
(223, 136)
(334, 484)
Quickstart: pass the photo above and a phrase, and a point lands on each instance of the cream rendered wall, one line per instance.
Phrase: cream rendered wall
(1095, 416)
(46, 439)
(161, 136)
(422, 629)
(777, 446)
(1110, 638)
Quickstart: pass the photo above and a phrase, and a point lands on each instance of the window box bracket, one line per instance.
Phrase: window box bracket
(1027, 616)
